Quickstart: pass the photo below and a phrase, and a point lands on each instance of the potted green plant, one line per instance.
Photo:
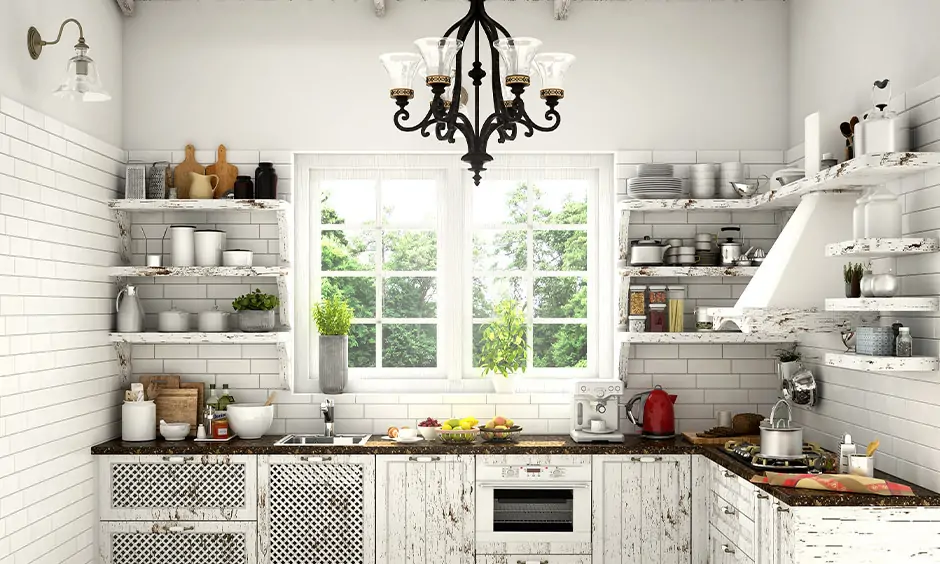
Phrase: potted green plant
(853, 273)
(333, 317)
(256, 311)
(505, 349)
(788, 362)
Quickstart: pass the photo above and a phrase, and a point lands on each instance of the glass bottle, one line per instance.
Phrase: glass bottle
(905, 345)
(676, 302)
(226, 398)
(213, 399)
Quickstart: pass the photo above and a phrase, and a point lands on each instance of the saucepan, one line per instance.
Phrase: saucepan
(780, 438)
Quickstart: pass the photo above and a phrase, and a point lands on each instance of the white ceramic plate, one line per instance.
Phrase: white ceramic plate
(401, 440)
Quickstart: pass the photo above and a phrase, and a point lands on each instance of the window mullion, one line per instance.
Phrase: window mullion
(530, 277)
(379, 275)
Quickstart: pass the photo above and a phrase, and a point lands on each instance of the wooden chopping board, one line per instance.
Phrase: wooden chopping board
(720, 441)
(200, 387)
(169, 381)
(178, 406)
(225, 171)
(181, 175)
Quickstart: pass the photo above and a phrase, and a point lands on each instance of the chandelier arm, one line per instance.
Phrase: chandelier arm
(464, 22)
(551, 115)
(484, 16)
(499, 108)
(403, 115)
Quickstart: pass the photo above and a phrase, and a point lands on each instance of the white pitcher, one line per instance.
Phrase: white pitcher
(130, 314)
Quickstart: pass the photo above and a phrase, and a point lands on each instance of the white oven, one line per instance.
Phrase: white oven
(533, 503)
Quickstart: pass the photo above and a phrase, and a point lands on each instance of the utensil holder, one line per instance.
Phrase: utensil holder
(138, 421)
(862, 465)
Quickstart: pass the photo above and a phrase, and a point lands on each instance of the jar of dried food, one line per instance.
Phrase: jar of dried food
(637, 324)
(658, 295)
(676, 298)
(659, 318)
(905, 346)
(637, 300)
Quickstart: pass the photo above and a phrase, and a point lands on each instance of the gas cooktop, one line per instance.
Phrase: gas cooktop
(750, 454)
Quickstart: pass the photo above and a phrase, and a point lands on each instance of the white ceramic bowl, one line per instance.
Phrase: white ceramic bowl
(174, 431)
(250, 420)
(429, 433)
(237, 257)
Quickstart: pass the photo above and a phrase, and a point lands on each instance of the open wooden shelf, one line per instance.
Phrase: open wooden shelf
(883, 247)
(198, 271)
(681, 271)
(195, 337)
(883, 304)
(199, 205)
(865, 363)
(701, 337)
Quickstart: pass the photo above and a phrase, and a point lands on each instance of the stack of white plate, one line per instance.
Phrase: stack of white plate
(703, 181)
(654, 169)
(730, 172)
(654, 187)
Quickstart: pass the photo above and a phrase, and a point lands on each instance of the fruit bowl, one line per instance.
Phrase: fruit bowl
(500, 435)
(458, 436)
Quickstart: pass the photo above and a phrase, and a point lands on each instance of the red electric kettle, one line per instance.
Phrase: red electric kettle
(659, 416)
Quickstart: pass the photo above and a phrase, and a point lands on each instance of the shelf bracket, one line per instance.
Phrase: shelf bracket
(125, 363)
(562, 7)
(124, 234)
(379, 7)
(286, 364)
(285, 234)
(284, 291)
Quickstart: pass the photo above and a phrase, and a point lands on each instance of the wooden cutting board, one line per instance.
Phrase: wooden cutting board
(170, 381)
(225, 171)
(720, 441)
(200, 387)
(182, 177)
(178, 406)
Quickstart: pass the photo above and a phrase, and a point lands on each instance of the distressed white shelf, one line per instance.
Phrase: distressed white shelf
(681, 271)
(883, 304)
(787, 321)
(882, 247)
(199, 205)
(198, 271)
(701, 337)
(882, 363)
(230, 338)
(867, 170)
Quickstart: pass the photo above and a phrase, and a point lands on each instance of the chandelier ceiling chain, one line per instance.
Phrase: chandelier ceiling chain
(511, 62)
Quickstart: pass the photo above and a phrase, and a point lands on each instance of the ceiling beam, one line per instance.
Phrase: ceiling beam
(561, 9)
(379, 7)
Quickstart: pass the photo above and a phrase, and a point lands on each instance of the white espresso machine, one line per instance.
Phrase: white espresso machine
(595, 411)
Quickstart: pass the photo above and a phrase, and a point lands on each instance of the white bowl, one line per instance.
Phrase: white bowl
(174, 431)
(429, 433)
(250, 420)
(237, 257)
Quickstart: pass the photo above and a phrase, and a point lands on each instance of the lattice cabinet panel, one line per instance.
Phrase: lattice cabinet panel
(317, 509)
(170, 488)
(178, 542)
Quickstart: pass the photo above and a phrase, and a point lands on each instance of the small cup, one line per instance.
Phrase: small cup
(407, 433)
(598, 426)
(724, 418)
(154, 260)
(201, 431)
(861, 465)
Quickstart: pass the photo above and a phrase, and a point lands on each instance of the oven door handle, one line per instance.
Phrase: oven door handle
(534, 486)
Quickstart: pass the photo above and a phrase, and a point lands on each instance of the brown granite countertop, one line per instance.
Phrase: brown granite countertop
(531, 444)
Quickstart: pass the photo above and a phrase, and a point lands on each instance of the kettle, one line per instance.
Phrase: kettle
(659, 416)
(882, 130)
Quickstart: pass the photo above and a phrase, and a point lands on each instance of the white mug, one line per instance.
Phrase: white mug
(862, 465)
(598, 426)
(407, 433)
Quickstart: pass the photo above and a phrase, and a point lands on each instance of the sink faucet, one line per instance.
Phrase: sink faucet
(326, 409)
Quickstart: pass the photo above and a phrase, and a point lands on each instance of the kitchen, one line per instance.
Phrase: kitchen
(68, 370)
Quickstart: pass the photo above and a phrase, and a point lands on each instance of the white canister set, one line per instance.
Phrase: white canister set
(178, 321)
(204, 247)
(877, 214)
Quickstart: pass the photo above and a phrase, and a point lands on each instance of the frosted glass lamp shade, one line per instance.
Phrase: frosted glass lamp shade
(552, 68)
(517, 53)
(81, 81)
(401, 69)
(439, 54)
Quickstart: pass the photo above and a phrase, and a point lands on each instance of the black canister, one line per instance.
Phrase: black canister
(244, 188)
(265, 182)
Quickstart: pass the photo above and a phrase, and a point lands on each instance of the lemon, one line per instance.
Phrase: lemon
(446, 427)
(466, 425)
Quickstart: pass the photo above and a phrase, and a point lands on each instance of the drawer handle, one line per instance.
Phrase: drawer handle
(729, 474)
(424, 458)
(728, 510)
(762, 496)
(783, 509)
(647, 459)
(727, 549)
(316, 458)
(179, 529)
(531, 561)
(178, 459)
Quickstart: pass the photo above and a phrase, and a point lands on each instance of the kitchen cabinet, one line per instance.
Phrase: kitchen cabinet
(175, 542)
(642, 509)
(316, 509)
(425, 509)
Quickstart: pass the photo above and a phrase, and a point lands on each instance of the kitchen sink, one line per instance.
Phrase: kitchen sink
(314, 440)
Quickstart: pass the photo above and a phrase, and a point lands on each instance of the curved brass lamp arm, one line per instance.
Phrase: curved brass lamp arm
(35, 43)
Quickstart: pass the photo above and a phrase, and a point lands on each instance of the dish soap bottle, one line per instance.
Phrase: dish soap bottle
(846, 449)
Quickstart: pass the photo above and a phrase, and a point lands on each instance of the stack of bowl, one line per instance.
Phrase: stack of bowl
(703, 181)
(705, 250)
(679, 254)
(730, 173)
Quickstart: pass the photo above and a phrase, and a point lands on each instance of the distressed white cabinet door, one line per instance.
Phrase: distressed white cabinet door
(765, 526)
(177, 542)
(642, 509)
(425, 509)
(316, 509)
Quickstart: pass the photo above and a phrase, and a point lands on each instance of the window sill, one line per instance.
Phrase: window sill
(435, 387)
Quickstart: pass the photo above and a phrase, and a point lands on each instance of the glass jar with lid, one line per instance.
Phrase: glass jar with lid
(676, 303)
(658, 319)
(883, 214)
(637, 304)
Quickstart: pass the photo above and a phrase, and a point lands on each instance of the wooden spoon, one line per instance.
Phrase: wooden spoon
(270, 399)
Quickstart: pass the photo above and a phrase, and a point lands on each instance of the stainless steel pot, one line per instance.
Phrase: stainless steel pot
(731, 251)
(647, 252)
(780, 438)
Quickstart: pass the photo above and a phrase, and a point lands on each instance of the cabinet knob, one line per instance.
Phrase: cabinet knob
(177, 459)
(727, 549)
(424, 458)
(728, 510)
(531, 561)
(762, 496)
(316, 458)
(180, 529)
(729, 474)
(647, 459)
(783, 509)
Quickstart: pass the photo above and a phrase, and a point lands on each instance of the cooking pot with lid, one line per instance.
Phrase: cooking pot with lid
(780, 438)
(647, 252)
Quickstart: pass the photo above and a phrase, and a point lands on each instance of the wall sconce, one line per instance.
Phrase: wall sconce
(81, 80)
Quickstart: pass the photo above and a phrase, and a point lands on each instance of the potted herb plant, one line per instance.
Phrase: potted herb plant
(504, 347)
(853, 273)
(256, 311)
(788, 362)
(333, 317)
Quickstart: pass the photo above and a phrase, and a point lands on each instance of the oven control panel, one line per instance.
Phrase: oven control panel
(533, 472)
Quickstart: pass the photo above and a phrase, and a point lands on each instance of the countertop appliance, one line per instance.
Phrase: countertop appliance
(659, 415)
(533, 503)
(750, 455)
(595, 411)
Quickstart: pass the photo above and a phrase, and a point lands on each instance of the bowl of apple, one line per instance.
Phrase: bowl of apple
(500, 430)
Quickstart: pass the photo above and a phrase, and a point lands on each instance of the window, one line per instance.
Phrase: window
(422, 255)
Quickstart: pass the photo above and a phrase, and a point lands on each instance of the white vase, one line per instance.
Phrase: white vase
(503, 384)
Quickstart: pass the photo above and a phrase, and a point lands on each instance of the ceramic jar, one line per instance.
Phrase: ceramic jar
(244, 188)
(214, 321)
(209, 246)
(182, 245)
(858, 217)
(173, 321)
(883, 215)
(265, 182)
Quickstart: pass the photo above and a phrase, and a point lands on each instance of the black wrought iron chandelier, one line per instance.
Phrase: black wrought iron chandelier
(442, 60)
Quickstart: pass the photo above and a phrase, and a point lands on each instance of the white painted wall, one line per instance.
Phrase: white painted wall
(839, 47)
(32, 82)
(305, 75)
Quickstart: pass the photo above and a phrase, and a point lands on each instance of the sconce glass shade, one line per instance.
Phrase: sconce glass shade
(439, 54)
(81, 81)
(401, 68)
(552, 68)
(518, 53)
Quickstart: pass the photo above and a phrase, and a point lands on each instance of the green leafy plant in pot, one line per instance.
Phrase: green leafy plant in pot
(333, 317)
(505, 349)
(256, 311)
(853, 273)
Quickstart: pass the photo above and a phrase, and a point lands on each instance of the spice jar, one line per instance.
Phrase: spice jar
(657, 294)
(904, 344)
(637, 324)
(658, 322)
(676, 298)
(637, 300)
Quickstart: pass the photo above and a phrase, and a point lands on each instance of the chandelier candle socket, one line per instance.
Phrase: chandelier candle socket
(511, 61)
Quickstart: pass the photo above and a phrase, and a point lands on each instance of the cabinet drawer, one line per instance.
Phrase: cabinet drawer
(732, 488)
(178, 542)
(178, 488)
(532, 559)
(723, 551)
(733, 525)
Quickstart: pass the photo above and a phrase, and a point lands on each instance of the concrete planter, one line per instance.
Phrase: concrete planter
(252, 321)
(334, 363)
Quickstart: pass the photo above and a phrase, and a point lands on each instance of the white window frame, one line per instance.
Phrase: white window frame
(454, 276)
